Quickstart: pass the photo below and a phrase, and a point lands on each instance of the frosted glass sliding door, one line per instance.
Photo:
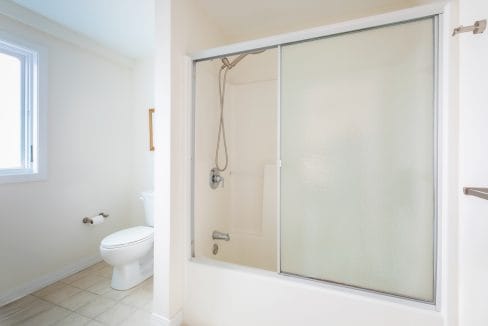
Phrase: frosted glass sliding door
(358, 159)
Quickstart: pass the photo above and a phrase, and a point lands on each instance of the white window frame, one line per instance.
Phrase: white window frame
(34, 96)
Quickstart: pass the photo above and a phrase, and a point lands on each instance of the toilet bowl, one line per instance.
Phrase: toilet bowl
(130, 251)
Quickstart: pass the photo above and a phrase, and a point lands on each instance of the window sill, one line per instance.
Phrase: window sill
(22, 177)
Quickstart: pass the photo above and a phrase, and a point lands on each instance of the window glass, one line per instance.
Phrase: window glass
(11, 115)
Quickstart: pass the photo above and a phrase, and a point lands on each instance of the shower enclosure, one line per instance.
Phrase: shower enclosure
(318, 159)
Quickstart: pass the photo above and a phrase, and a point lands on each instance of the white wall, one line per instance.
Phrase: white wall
(142, 158)
(90, 145)
(181, 28)
(473, 162)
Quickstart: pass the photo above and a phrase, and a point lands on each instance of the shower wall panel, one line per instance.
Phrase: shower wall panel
(253, 174)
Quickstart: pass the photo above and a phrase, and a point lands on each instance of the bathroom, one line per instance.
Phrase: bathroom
(92, 155)
(309, 164)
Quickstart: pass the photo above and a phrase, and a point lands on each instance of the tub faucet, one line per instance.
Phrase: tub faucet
(217, 235)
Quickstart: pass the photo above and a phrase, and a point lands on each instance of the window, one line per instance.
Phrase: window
(20, 154)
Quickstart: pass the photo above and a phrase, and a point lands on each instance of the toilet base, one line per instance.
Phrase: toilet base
(127, 276)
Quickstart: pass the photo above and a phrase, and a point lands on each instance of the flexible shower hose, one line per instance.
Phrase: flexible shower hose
(221, 133)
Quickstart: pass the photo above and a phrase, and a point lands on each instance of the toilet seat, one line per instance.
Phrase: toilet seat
(128, 237)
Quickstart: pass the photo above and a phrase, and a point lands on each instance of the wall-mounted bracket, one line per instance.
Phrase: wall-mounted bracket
(478, 28)
(151, 133)
(478, 192)
(89, 220)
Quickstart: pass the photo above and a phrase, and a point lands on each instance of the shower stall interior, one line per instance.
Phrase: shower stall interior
(318, 159)
(244, 203)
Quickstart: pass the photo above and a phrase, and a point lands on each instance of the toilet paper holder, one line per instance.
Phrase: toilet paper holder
(88, 220)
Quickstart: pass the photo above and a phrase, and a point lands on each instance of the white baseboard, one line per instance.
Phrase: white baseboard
(39, 283)
(158, 320)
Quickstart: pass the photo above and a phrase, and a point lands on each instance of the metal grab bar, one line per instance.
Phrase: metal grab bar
(217, 235)
(478, 192)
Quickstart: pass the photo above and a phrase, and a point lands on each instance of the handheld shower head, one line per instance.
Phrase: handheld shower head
(224, 69)
(229, 65)
(226, 63)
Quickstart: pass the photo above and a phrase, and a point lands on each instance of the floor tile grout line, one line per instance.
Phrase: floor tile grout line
(90, 319)
(70, 296)
(89, 272)
(35, 315)
(74, 311)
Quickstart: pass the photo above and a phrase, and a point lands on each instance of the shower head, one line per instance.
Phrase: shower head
(231, 64)
(234, 62)
(226, 63)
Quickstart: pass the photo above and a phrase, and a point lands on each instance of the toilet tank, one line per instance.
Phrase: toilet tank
(147, 198)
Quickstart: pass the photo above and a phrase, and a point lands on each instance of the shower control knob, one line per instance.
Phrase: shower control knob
(218, 179)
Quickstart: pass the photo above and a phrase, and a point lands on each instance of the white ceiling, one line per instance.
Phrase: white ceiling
(247, 19)
(126, 26)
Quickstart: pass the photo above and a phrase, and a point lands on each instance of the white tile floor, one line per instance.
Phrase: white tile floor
(84, 298)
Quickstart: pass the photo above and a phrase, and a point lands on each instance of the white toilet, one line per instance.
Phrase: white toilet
(130, 251)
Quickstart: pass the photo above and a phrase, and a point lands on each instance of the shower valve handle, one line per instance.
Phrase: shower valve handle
(216, 179)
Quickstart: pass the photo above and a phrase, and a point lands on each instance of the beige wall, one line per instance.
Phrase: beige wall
(142, 159)
(89, 170)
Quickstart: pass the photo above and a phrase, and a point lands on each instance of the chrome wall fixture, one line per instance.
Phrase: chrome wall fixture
(215, 249)
(476, 191)
(215, 179)
(217, 235)
(89, 220)
(478, 28)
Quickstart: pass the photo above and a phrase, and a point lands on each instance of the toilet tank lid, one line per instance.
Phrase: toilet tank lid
(127, 237)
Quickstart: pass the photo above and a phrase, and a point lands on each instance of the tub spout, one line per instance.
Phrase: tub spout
(217, 235)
